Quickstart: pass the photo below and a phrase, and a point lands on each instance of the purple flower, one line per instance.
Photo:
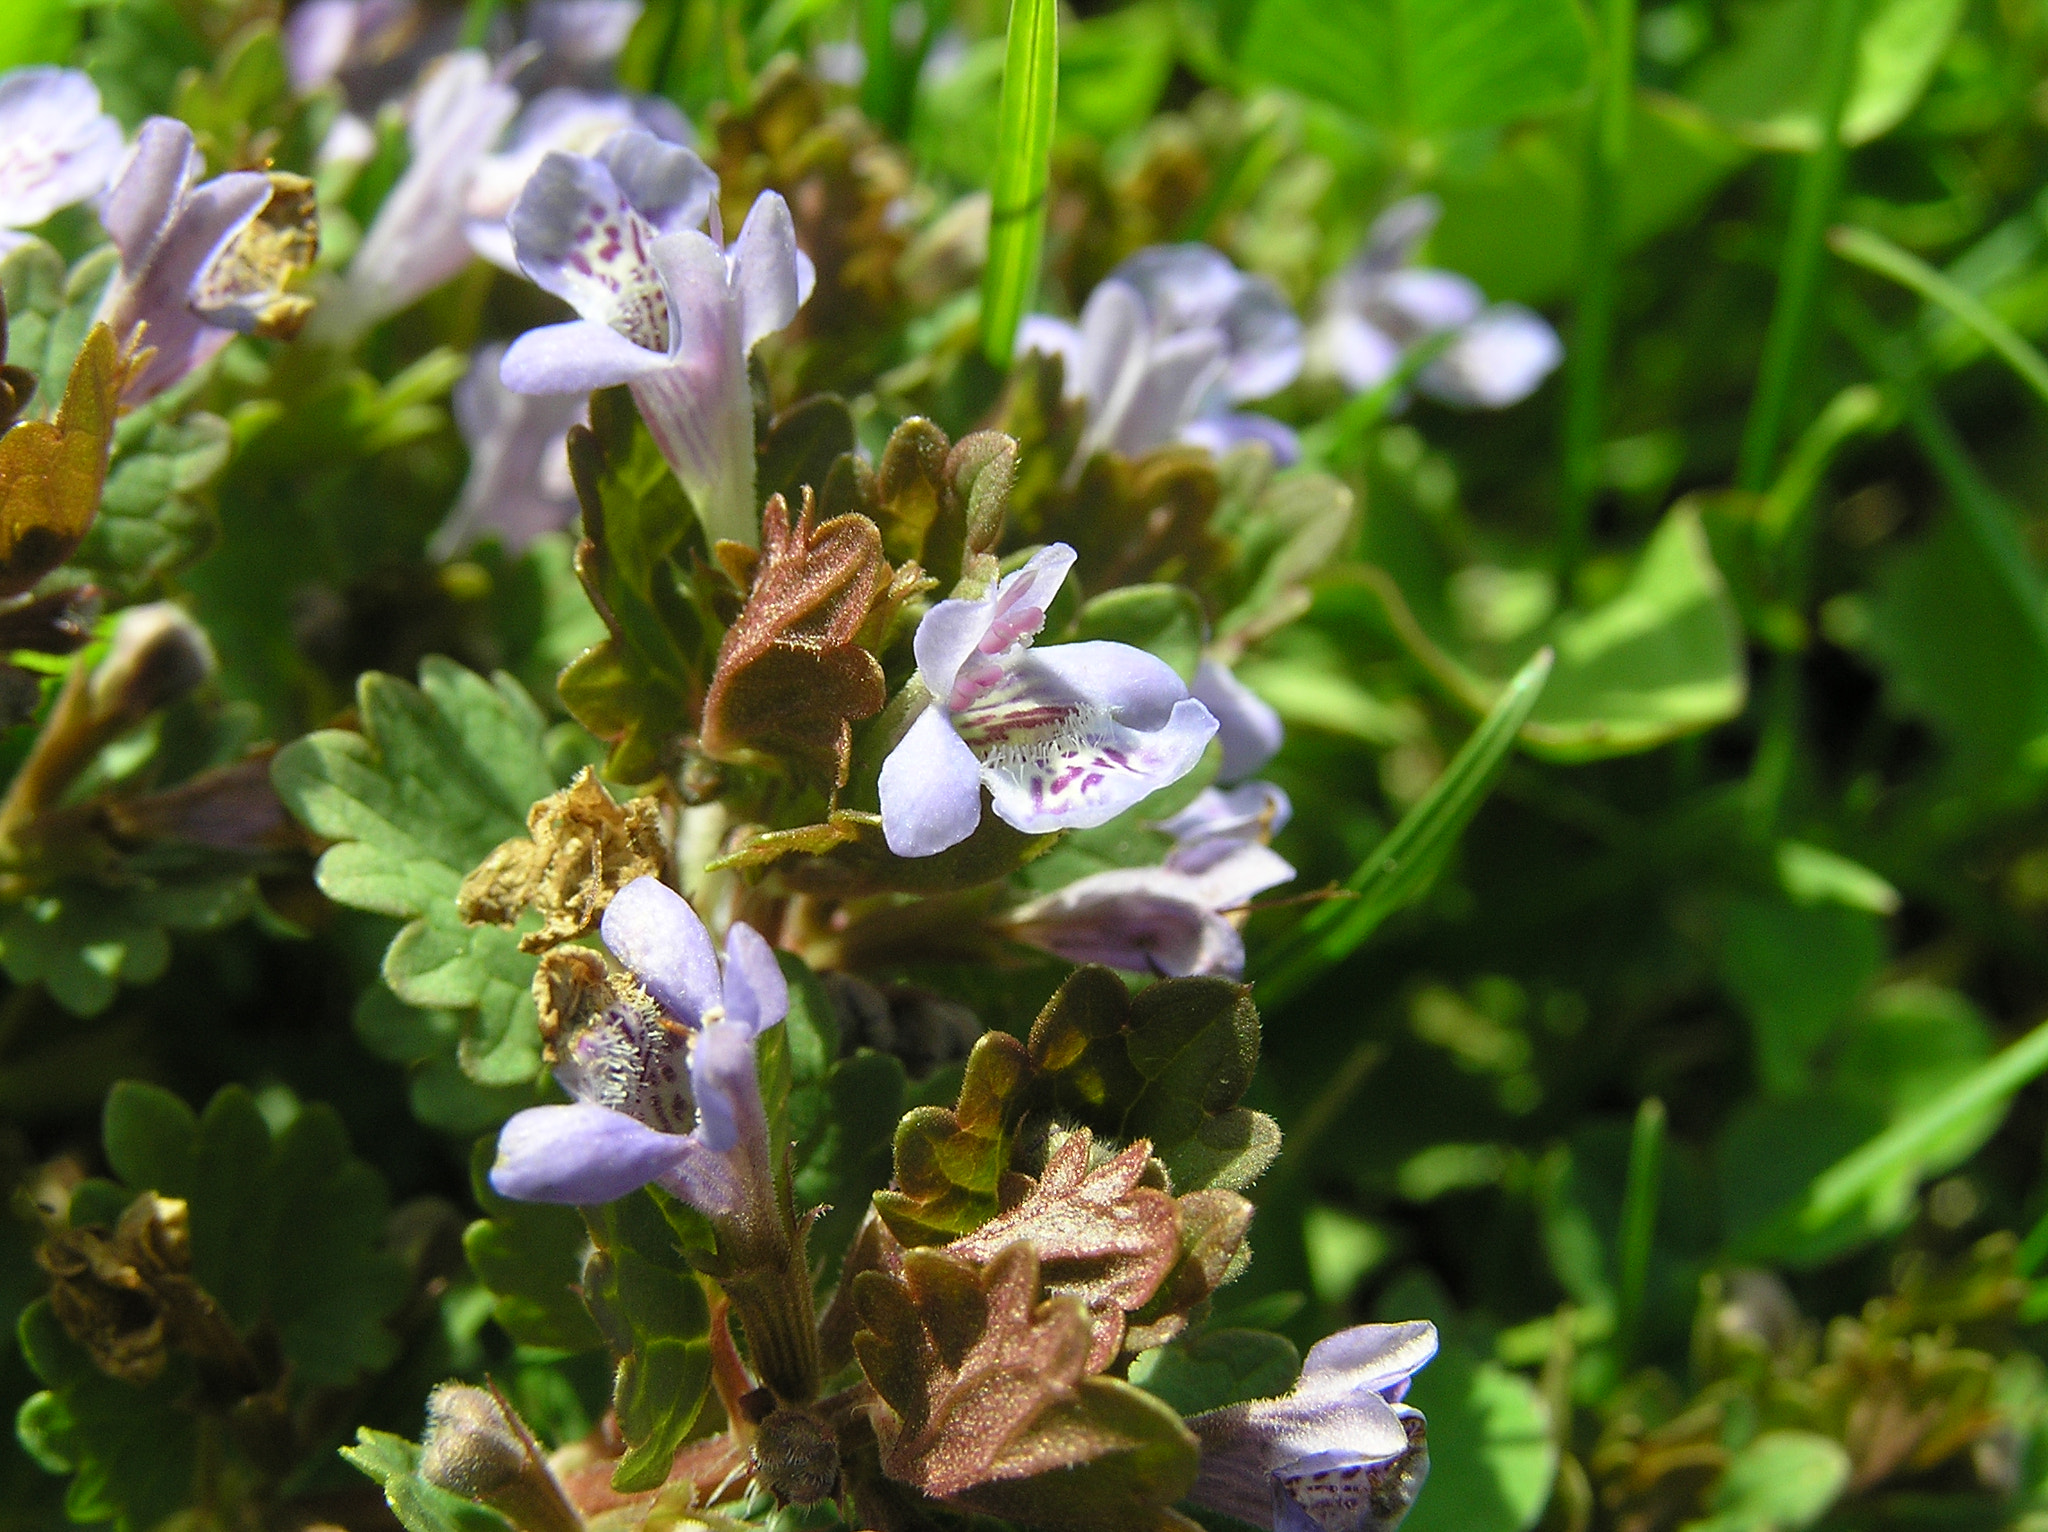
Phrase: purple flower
(1246, 726)
(417, 240)
(1382, 306)
(582, 37)
(1339, 1454)
(1167, 345)
(1063, 738)
(57, 147)
(323, 38)
(665, 309)
(171, 230)
(562, 120)
(663, 1077)
(1173, 919)
(518, 486)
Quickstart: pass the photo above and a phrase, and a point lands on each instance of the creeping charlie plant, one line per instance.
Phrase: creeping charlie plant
(915, 767)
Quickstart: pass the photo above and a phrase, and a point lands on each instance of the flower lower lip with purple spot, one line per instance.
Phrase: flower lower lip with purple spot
(1064, 737)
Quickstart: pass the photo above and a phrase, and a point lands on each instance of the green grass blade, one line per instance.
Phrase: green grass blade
(1638, 1224)
(1854, 1177)
(1599, 271)
(1031, 73)
(1400, 866)
(1799, 268)
(1873, 252)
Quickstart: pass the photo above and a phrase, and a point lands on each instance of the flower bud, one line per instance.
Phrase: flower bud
(476, 1447)
(157, 655)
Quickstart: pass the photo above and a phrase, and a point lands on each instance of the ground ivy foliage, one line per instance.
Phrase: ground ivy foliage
(439, 776)
(266, 1289)
(818, 662)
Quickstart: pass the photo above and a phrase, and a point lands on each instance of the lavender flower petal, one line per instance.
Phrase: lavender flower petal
(584, 34)
(756, 993)
(766, 274)
(1246, 725)
(518, 485)
(580, 1154)
(700, 408)
(1226, 432)
(723, 1079)
(1362, 355)
(1316, 1458)
(1141, 919)
(930, 788)
(652, 930)
(570, 121)
(1083, 769)
(1499, 360)
(417, 240)
(168, 232)
(579, 238)
(575, 358)
(57, 147)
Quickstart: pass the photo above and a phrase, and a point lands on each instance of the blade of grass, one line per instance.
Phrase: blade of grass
(1599, 262)
(1896, 359)
(1335, 440)
(1858, 1174)
(476, 21)
(1638, 1225)
(1031, 71)
(1873, 252)
(1400, 866)
(1799, 268)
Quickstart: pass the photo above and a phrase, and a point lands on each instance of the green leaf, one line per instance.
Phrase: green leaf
(1513, 218)
(641, 563)
(949, 1161)
(1168, 1064)
(155, 516)
(133, 1454)
(530, 1255)
(1781, 1481)
(427, 1044)
(1165, 620)
(1958, 651)
(1663, 658)
(1023, 166)
(37, 32)
(1423, 66)
(1767, 86)
(439, 777)
(649, 1305)
(287, 1231)
(1282, 531)
(83, 940)
(287, 1227)
(419, 1506)
(1402, 864)
(1492, 1454)
(1796, 970)
(1213, 1368)
(49, 312)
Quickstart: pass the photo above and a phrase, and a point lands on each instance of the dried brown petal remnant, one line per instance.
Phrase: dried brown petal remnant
(791, 680)
(246, 283)
(128, 1297)
(580, 849)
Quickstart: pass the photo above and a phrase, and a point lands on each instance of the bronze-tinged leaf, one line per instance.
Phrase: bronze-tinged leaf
(949, 1164)
(51, 472)
(1100, 1235)
(580, 848)
(984, 1399)
(791, 680)
(1213, 1224)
